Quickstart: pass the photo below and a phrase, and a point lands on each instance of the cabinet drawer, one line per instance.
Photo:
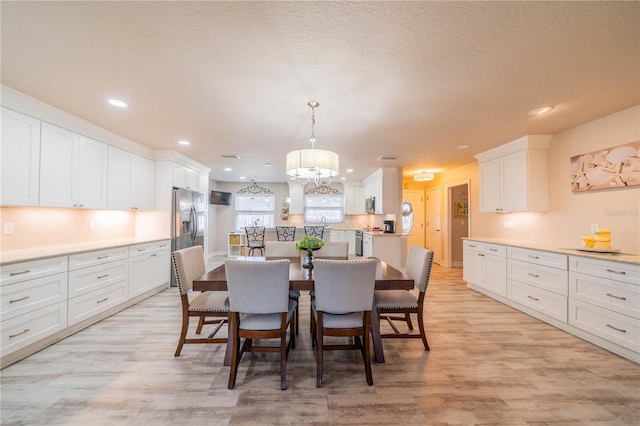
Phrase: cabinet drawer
(617, 328)
(616, 296)
(538, 257)
(551, 279)
(89, 279)
(25, 329)
(91, 304)
(619, 271)
(477, 246)
(21, 298)
(546, 302)
(473, 245)
(146, 248)
(84, 260)
(23, 271)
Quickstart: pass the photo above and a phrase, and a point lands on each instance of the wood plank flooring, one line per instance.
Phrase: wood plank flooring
(488, 364)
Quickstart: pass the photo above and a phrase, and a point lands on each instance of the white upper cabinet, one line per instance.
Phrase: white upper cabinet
(514, 177)
(385, 185)
(131, 181)
(73, 169)
(20, 152)
(187, 178)
(203, 184)
(354, 200)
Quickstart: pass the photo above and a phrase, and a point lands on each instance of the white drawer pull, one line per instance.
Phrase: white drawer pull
(103, 276)
(617, 297)
(20, 273)
(534, 275)
(26, 330)
(102, 257)
(102, 300)
(18, 300)
(616, 329)
(617, 272)
(534, 257)
(533, 298)
(153, 255)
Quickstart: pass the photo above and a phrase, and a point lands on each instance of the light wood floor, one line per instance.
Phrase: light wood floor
(488, 364)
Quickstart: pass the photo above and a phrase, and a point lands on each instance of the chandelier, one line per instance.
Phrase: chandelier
(312, 165)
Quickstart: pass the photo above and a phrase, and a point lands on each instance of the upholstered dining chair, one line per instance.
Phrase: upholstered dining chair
(188, 264)
(342, 307)
(255, 239)
(398, 305)
(275, 249)
(333, 249)
(286, 233)
(260, 308)
(316, 231)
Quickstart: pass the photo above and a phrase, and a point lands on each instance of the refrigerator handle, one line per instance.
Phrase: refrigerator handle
(194, 224)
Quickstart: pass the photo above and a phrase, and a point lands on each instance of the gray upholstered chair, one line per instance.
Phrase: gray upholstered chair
(333, 249)
(342, 307)
(255, 239)
(286, 233)
(403, 303)
(280, 249)
(260, 308)
(316, 231)
(188, 264)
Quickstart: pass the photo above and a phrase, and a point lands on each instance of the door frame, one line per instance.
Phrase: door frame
(448, 223)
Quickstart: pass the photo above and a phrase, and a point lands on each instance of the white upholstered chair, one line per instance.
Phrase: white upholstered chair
(260, 308)
(276, 249)
(333, 249)
(342, 307)
(403, 303)
(188, 264)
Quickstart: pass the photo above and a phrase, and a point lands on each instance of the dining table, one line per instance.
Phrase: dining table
(301, 278)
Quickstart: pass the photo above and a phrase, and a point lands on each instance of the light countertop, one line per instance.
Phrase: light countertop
(572, 251)
(14, 256)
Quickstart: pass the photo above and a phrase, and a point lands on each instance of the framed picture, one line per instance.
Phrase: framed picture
(615, 167)
(460, 209)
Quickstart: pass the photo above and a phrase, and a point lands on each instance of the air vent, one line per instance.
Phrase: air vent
(386, 158)
(230, 156)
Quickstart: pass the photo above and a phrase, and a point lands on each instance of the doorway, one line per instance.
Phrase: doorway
(434, 236)
(458, 222)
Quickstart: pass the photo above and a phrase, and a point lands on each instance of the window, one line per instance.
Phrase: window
(327, 208)
(255, 210)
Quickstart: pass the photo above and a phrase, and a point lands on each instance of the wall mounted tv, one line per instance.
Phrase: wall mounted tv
(219, 197)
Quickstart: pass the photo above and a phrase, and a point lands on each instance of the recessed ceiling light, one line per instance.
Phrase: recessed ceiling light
(243, 177)
(463, 146)
(540, 110)
(227, 169)
(117, 102)
(343, 178)
(267, 164)
(183, 142)
(349, 170)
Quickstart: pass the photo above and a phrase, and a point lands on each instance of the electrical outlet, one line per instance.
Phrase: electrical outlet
(509, 225)
(92, 225)
(8, 228)
(594, 228)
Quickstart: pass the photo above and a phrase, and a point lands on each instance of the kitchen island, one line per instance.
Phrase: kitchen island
(593, 295)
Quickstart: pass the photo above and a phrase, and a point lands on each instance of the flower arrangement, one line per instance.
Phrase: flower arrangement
(309, 243)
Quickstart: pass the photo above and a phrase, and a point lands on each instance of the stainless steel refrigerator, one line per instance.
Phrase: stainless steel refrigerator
(188, 221)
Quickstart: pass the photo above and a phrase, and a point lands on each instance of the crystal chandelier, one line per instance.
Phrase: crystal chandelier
(312, 165)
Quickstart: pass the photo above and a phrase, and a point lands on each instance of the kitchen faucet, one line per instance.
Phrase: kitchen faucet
(324, 221)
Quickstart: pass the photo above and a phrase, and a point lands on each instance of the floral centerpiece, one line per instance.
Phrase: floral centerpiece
(309, 243)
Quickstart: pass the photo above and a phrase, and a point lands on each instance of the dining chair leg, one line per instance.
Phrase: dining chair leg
(235, 344)
(319, 350)
(423, 335)
(407, 317)
(183, 333)
(200, 324)
(365, 344)
(283, 351)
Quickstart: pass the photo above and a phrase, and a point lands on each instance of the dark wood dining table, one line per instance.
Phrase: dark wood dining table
(300, 278)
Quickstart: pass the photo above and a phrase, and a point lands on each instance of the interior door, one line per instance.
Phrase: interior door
(416, 235)
(434, 236)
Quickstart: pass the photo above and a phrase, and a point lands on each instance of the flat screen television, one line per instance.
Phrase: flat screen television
(221, 198)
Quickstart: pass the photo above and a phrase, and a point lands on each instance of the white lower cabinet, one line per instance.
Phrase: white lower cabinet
(543, 301)
(29, 328)
(485, 265)
(95, 302)
(149, 267)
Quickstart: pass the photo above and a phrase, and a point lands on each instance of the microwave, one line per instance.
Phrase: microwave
(370, 205)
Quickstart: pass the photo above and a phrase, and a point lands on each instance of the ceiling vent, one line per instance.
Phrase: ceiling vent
(230, 156)
(386, 158)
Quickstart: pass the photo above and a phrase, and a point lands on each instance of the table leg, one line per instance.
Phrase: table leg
(375, 335)
(229, 350)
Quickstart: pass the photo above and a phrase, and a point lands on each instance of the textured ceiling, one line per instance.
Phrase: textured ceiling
(407, 79)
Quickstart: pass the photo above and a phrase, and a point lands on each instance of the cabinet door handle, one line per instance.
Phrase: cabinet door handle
(26, 330)
(617, 272)
(617, 329)
(18, 300)
(616, 297)
(103, 276)
(20, 273)
(153, 255)
(471, 245)
(141, 249)
(534, 257)
(102, 300)
(534, 275)
(480, 254)
(533, 298)
(492, 249)
(102, 257)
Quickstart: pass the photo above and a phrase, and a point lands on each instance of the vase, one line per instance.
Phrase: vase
(308, 261)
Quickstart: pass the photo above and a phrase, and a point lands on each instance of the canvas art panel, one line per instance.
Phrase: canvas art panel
(615, 167)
